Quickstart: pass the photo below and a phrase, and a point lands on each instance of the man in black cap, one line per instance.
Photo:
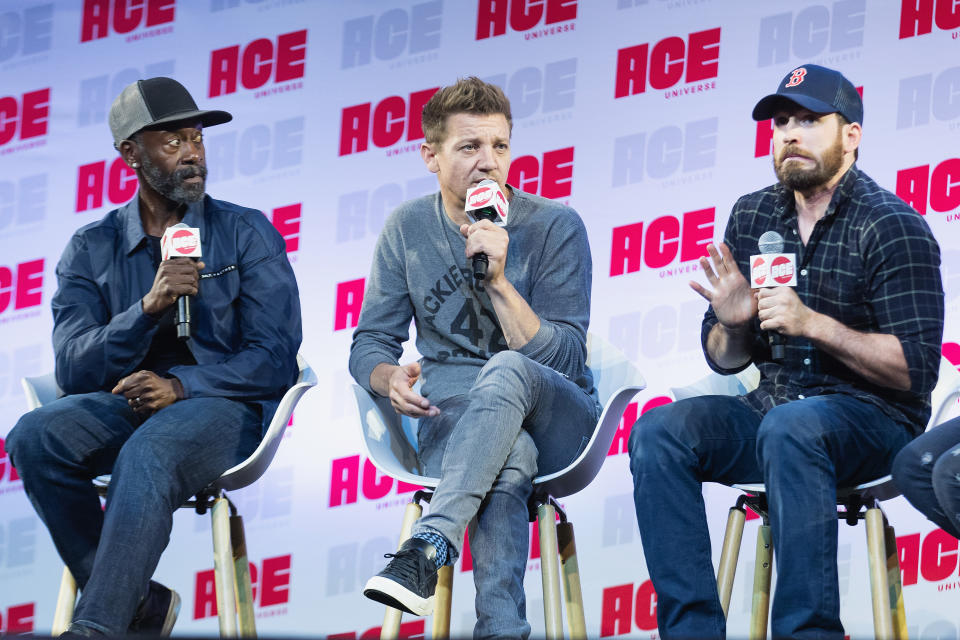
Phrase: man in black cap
(164, 416)
(861, 336)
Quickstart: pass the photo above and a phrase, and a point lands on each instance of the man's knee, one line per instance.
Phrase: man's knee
(506, 366)
(652, 432)
(27, 440)
(946, 473)
(910, 463)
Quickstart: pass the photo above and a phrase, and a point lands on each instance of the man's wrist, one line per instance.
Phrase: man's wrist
(177, 387)
(737, 331)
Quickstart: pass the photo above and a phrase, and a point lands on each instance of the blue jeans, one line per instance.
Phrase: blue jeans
(927, 472)
(802, 451)
(487, 446)
(156, 463)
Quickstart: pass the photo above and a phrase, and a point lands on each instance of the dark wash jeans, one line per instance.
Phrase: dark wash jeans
(156, 464)
(927, 472)
(519, 420)
(802, 451)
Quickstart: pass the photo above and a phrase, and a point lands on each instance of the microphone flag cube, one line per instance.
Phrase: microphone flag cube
(773, 270)
(180, 241)
(486, 202)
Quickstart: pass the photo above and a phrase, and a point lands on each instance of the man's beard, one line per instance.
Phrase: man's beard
(172, 186)
(799, 178)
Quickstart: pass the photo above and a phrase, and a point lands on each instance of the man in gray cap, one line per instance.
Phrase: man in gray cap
(164, 412)
(847, 360)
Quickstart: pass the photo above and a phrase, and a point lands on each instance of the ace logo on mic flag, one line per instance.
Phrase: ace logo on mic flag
(180, 241)
(487, 195)
(773, 270)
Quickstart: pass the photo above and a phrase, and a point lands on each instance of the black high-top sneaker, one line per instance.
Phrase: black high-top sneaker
(409, 580)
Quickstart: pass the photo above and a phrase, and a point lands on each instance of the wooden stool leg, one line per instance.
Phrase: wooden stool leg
(66, 600)
(223, 568)
(391, 618)
(442, 603)
(762, 574)
(550, 571)
(241, 568)
(572, 591)
(879, 589)
(729, 555)
(897, 610)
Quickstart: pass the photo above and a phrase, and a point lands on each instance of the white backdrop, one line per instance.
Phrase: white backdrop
(635, 112)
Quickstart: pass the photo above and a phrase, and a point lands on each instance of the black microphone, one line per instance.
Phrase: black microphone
(772, 242)
(485, 202)
(181, 241)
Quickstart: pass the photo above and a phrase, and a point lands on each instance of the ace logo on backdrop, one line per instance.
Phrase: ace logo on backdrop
(259, 60)
(493, 16)
(24, 117)
(693, 59)
(100, 17)
(939, 188)
(383, 124)
(917, 17)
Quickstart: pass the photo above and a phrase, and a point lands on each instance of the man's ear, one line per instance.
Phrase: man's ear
(130, 153)
(428, 152)
(851, 138)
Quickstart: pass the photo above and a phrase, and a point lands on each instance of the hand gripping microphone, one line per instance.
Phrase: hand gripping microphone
(181, 241)
(485, 202)
(773, 268)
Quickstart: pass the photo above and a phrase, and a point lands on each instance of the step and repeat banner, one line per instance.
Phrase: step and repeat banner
(634, 112)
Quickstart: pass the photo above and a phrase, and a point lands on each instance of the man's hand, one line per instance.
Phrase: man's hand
(402, 396)
(781, 310)
(175, 277)
(732, 300)
(487, 238)
(147, 392)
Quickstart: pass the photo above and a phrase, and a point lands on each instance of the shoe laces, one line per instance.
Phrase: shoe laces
(410, 564)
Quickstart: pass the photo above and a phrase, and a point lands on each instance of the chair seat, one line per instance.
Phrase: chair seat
(881, 488)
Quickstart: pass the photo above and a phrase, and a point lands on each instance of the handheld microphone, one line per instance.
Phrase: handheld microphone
(485, 202)
(181, 241)
(773, 268)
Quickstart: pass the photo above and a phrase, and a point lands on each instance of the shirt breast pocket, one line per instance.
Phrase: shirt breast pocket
(220, 287)
(843, 297)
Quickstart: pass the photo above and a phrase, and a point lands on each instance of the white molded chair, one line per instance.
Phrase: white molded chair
(390, 441)
(231, 570)
(861, 502)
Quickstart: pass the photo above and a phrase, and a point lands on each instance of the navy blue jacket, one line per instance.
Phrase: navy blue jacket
(245, 321)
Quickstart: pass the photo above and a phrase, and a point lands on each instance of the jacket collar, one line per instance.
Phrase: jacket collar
(133, 233)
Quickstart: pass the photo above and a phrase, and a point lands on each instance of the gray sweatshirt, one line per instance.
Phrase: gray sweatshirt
(420, 271)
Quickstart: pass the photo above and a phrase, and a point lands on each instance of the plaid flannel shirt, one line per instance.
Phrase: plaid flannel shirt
(872, 264)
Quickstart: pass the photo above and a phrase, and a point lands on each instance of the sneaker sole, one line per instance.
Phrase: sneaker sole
(172, 612)
(392, 594)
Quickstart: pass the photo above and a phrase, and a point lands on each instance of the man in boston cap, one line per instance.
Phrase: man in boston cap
(163, 416)
(860, 335)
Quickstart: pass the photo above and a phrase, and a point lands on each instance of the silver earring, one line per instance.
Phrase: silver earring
(135, 164)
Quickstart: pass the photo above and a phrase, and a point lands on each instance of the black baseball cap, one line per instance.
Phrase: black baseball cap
(816, 88)
(156, 101)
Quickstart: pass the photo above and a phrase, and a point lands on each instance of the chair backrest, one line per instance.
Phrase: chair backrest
(617, 381)
(40, 390)
(390, 439)
(248, 471)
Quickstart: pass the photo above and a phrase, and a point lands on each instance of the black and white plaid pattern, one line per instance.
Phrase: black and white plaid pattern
(872, 264)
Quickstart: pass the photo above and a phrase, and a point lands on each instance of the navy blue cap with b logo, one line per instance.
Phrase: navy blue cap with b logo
(816, 88)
